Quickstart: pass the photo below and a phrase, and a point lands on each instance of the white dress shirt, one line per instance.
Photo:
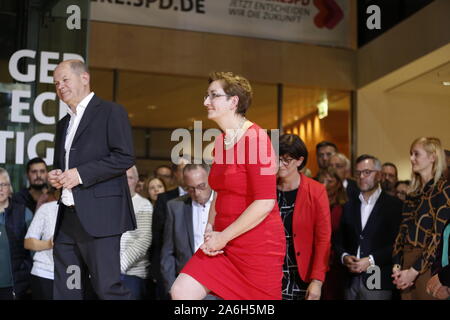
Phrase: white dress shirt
(199, 220)
(366, 210)
(345, 184)
(181, 191)
(75, 119)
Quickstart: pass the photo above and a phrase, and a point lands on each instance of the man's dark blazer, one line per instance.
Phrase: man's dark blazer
(352, 189)
(158, 220)
(102, 151)
(377, 238)
(178, 244)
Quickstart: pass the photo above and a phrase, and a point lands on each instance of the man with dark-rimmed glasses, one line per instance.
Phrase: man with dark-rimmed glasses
(368, 228)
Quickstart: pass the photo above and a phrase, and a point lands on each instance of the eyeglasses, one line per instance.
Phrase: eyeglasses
(4, 185)
(365, 173)
(200, 187)
(213, 96)
(285, 161)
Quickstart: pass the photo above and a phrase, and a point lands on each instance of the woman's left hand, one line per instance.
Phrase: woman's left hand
(214, 243)
(314, 290)
(406, 278)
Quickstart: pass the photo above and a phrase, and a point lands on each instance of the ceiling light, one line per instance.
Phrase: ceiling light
(446, 83)
(323, 108)
(152, 107)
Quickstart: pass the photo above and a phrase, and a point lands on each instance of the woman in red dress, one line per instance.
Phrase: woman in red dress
(242, 255)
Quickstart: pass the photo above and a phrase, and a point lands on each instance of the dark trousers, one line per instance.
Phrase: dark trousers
(6, 293)
(137, 286)
(358, 291)
(84, 264)
(41, 288)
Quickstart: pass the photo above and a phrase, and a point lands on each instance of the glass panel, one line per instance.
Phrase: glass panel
(301, 117)
(102, 83)
(29, 107)
(164, 103)
(263, 110)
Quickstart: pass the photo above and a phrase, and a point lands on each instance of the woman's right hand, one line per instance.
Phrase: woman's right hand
(396, 272)
(208, 232)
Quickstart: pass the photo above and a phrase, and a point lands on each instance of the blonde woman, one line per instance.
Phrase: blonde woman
(425, 213)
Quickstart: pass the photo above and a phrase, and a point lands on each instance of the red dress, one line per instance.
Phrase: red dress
(251, 265)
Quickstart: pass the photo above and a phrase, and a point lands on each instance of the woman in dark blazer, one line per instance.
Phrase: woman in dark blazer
(305, 211)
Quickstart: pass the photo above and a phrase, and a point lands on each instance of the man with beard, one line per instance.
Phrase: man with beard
(37, 177)
(389, 178)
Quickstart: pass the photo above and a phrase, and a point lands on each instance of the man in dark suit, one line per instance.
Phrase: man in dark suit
(185, 224)
(93, 150)
(369, 225)
(158, 221)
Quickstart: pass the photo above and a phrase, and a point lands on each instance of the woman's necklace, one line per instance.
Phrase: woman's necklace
(229, 140)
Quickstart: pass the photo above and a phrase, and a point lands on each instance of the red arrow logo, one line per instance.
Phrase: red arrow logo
(330, 14)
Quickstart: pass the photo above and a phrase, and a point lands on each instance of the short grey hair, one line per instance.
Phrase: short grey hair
(5, 174)
(193, 166)
(342, 158)
(78, 66)
(375, 160)
(135, 172)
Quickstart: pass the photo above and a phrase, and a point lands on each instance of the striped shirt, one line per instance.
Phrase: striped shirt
(134, 245)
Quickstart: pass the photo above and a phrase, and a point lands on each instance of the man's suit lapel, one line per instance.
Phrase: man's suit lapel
(63, 133)
(357, 210)
(89, 113)
(189, 225)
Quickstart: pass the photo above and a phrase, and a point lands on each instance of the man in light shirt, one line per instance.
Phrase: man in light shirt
(367, 232)
(93, 151)
(134, 245)
(186, 221)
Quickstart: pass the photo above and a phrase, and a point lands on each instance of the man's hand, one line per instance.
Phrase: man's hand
(350, 263)
(314, 290)
(53, 178)
(69, 179)
(361, 265)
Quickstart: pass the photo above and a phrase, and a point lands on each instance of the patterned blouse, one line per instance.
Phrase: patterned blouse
(424, 217)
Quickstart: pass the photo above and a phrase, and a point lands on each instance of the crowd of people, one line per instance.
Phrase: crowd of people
(254, 225)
